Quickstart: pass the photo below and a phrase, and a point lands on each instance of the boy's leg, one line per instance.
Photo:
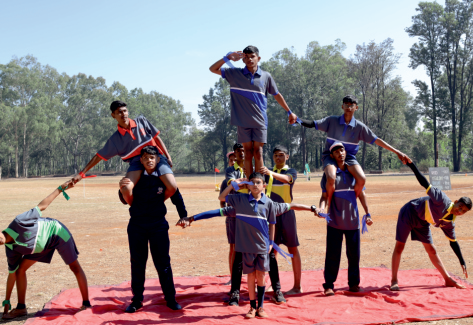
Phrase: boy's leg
(332, 256)
(297, 270)
(360, 178)
(231, 258)
(81, 279)
(261, 287)
(159, 247)
(352, 241)
(396, 261)
(248, 147)
(331, 174)
(237, 272)
(437, 262)
(21, 281)
(274, 271)
(127, 190)
(230, 229)
(251, 288)
(258, 154)
(138, 245)
(288, 236)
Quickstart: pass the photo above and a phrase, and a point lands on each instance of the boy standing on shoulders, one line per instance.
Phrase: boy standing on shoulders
(349, 131)
(344, 221)
(280, 180)
(254, 238)
(29, 239)
(148, 225)
(249, 88)
(127, 142)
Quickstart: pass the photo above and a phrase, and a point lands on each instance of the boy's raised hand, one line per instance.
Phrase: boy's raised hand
(235, 56)
(292, 118)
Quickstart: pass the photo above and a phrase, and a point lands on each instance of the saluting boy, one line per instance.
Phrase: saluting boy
(415, 219)
(281, 179)
(148, 225)
(349, 131)
(30, 238)
(254, 238)
(132, 136)
(344, 221)
(249, 88)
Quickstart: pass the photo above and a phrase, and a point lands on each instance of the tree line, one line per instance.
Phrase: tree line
(52, 123)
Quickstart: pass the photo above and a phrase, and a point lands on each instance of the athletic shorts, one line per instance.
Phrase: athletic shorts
(163, 165)
(67, 250)
(286, 230)
(230, 225)
(253, 262)
(252, 134)
(409, 223)
(330, 161)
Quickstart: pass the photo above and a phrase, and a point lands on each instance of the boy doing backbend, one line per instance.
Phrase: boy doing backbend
(30, 238)
(249, 88)
(349, 131)
(131, 136)
(415, 219)
(254, 238)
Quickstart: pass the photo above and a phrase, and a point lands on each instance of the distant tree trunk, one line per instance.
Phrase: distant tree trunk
(380, 158)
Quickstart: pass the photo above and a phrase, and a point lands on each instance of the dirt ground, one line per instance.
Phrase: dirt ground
(98, 223)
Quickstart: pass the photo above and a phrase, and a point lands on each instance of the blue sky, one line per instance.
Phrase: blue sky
(168, 46)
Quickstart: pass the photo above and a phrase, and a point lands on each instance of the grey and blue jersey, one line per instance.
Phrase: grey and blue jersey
(248, 94)
(343, 209)
(252, 219)
(349, 134)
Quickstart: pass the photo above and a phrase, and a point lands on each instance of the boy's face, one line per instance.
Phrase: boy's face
(121, 115)
(257, 187)
(251, 59)
(280, 158)
(349, 108)
(459, 208)
(240, 154)
(149, 161)
(231, 160)
(339, 154)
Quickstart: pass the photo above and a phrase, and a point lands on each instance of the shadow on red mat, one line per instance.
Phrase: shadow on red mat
(422, 297)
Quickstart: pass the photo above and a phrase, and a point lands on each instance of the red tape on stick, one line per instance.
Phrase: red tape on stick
(83, 175)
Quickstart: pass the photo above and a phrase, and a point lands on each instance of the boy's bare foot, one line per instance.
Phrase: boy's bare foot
(14, 313)
(394, 286)
(293, 291)
(452, 283)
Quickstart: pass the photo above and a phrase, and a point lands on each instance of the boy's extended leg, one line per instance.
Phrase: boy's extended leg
(352, 241)
(396, 261)
(127, 190)
(81, 279)
(159, 247)
(258, 154)
(248, 147)
(331, 174)
(333, 254)
(437, 262)
(360, 178)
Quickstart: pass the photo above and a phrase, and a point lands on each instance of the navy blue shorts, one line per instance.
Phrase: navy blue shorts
(252, 134)
(286, 230)
(253, 262)
(409, 223)
(163, 165)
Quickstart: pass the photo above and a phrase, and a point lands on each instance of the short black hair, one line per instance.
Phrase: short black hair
(149, 150)
(256, 175)
(466, 201)
(237, 146)
(116, 104)
(350, 99)
(251, 49)
(232, 154)
(281, 148)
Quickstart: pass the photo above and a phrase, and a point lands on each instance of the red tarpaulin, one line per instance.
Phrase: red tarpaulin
(423, 297)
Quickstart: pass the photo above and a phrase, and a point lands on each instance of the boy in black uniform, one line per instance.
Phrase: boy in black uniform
(148, 224)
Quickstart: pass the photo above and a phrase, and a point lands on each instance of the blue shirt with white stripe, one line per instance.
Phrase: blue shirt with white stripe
(349, 134)
(248, 94)
(252, 219)
(343, 209)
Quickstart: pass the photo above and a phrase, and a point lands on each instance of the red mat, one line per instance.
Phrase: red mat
(422, 298)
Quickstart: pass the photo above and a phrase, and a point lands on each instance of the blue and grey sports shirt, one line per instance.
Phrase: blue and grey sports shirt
(248, 94)
(349, 134)
(252, 219)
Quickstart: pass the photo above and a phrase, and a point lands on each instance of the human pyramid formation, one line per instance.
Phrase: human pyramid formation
(256, 222)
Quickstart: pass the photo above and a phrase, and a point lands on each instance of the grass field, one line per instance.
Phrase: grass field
(98, 223)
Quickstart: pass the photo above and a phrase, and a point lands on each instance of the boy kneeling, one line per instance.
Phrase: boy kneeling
(253, 237)
(29, 239)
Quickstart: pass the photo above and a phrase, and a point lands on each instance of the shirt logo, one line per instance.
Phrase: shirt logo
(142, 130)
(27, 234)
(160, 190)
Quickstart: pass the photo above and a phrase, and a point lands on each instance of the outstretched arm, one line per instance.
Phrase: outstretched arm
(402, 157)
(281, 101)
(308, 123)
(420, 178)
(50, 198)
(94, 161)
(456, 248)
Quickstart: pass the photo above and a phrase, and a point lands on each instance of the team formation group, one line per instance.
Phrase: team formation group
(256, 200)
